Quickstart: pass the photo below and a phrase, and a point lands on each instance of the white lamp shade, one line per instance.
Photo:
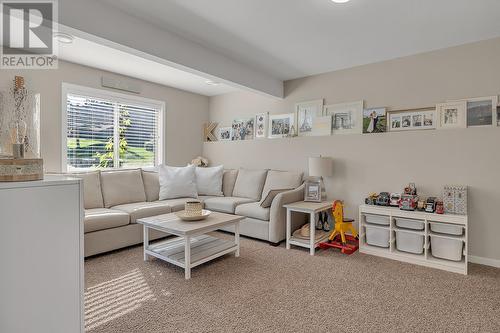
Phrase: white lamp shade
(320, 166)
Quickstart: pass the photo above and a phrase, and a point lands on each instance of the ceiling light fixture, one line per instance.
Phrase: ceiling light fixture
(64, 38)
(212, 83)
(341, 1)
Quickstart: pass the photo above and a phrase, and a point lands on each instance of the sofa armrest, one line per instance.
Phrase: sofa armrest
(277, 221)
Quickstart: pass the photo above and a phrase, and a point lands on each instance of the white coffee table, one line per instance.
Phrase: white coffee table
(193, 246)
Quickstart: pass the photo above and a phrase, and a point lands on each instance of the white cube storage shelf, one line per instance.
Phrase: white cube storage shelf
(411, 236)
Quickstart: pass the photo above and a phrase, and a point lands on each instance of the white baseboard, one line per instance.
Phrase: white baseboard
(484, 261)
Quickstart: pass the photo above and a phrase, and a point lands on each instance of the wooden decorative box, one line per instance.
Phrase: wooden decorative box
(20, 170)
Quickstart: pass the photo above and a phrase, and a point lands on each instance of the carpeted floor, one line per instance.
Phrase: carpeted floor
(271, 289)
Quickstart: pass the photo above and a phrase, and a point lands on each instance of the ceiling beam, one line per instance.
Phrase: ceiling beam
(93, 18)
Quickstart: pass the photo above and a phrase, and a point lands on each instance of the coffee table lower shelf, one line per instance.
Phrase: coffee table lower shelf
(201, 249)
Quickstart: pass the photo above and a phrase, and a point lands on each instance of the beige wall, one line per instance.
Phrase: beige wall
(185, 111)
(386, 162)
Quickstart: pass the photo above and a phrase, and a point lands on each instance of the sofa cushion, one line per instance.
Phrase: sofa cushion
(122, 187)
(209, 180)
(151, 185)
(225, 204)
(103, 218)
(92, 194)
(253, 210)
(176, 204)
(228, 181)
(267, 201)
(139, 210)
(281, 180)
(249, 184)
(177, 182)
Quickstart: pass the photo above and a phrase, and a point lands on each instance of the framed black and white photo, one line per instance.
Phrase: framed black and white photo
(225, 133)
(481, 111)
(451, 115)
(261, 123)
(346, 117)
(415, 119)
(306, 112)
(281, 125)
(243, 129)
(312, 191)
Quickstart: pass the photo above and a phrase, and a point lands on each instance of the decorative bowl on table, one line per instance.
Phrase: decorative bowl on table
(193, 211)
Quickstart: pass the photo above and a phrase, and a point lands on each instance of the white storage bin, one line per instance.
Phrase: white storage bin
(377, 219)
(446, 248)
(409, 242)
(409, 223)
(449, 229)
(377, 236)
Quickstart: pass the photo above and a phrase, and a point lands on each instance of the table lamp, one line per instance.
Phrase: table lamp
(320, 167)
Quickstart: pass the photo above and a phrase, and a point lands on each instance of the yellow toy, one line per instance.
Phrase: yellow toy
(347, 243)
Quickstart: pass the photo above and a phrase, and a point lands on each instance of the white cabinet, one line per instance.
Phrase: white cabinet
(41, 256)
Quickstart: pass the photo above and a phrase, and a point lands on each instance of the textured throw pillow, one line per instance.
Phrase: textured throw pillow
(177, 182)
(209, 180)
(268, 200)
(249, 184)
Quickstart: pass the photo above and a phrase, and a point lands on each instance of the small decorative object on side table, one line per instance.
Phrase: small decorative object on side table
(312, 191)
(311, 208)
(320, 167)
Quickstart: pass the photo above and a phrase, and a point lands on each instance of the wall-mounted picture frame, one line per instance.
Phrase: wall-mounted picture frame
(498, 115)
(481, 111)
(312, 191)
(305, 114)
(225, 133)
(281, 125)
(346, 117)
(261, 123)
(412, 119)
(451, 115)
(374, 120)
(322, 126)
(243, 129)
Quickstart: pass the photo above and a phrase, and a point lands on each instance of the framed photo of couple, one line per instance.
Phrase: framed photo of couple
(374, 120)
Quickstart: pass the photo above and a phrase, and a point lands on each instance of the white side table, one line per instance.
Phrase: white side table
(311, 208)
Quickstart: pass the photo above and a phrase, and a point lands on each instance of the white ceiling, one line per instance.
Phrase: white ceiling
(113, 59)
(295, 38)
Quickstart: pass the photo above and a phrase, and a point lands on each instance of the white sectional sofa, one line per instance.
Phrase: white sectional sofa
(114, 200)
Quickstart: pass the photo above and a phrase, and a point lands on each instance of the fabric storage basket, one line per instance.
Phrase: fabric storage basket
(446, 248)
(409, 242)
(409, 223)
(377, 236)
(449, 229)
(377, 219)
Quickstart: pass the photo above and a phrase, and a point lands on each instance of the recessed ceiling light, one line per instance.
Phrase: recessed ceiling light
(212, 83)
(63, 38)
(341, 1)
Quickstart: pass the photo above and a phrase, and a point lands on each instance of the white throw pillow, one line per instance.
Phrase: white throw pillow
(209, 180)
(177, 182)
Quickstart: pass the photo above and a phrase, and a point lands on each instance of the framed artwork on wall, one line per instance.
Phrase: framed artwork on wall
(374, 120)
(346, 117)
(451, 115)
(225, 133)
(306, 112)
(322, 126)
(410, 120)
(243, 129)
(481, 111)
(261, 123)
(281, 125)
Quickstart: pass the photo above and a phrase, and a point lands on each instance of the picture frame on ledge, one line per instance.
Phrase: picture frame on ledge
(261, 124)
(322, 126)
(243, 129)
(282, 125)
(451, 115)
(412, 119)
(346, 117)
(312, 192)
(481, 111)
(374, 120)
(225, 133)
(306, 112)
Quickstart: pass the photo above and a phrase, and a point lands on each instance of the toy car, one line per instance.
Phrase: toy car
(394, 199)
(383, 199)
(408, 202)
(439, 207)
(430, 205)
(371, 199)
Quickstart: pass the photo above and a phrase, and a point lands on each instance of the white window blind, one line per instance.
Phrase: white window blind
(110, 133)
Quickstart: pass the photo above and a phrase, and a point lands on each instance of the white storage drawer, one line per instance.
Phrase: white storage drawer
(409, 242)
(409, 223)
(377, 219)
(449, 229)
(377, 236)
(446, 248)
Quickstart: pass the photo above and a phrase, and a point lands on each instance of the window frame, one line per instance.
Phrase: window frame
(73, 89)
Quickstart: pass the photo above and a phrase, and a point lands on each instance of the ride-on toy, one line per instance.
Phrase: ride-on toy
(338, 238)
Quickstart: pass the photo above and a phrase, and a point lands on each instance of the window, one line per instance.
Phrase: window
(110, 130)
